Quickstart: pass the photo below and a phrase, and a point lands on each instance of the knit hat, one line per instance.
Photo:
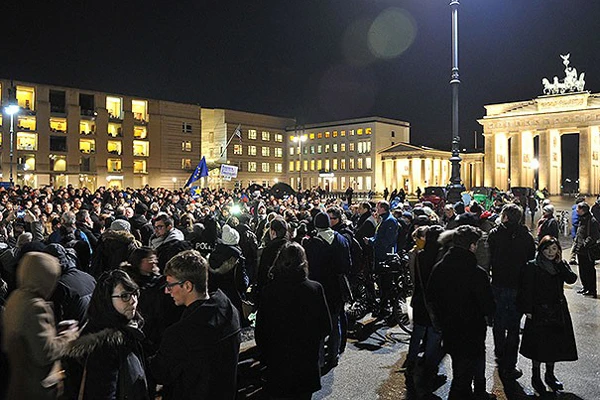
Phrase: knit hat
(548, 209)
(230, 236)
(120, 225)
(322, 221)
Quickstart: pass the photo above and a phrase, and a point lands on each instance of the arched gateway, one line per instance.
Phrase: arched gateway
(565, 108)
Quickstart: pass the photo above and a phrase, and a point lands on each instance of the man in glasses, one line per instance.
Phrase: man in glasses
(167, 241)
(198, 355)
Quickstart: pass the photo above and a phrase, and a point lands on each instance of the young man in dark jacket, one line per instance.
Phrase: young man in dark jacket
(198, 355)
(511, 247)
(461, 298)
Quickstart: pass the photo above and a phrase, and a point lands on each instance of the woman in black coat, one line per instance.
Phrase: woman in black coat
(106, 362)
(547, 225)
(292, 320)
(548, 336)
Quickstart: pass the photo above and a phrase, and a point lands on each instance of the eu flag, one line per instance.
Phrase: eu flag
(200, 171)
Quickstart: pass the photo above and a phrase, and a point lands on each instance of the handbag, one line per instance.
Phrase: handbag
(549, 315)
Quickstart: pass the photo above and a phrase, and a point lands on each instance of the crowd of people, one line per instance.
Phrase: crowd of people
(142, 292)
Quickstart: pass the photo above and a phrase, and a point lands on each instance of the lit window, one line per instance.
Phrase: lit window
(351, 132)
(291, 167)
(26, 162)
(335, 147)
(26, 141)
(342, 147)
(278, 167)
(87, 146)
(266, 151)
(114, 165)
(359, 163)
(114, 106)
(141, 148)
(335, 164)
(368, 162)
(58, 163)
(312, 149)
(367, 131)
(305, 165)
(186, 127)
(327, 165)
(87, 127)
(291, 151)
(298, 165)
(252, 166)
(319, 149)
(252, 134)
(311, 136)
(251, 150)
(266, 136)
(343, 164)
(319, 135)
(359, 131)
(343, 133)
(186, 145)
(186, 163)
(351, 163)
(312, 165)
(26, 124)
(367, 146)
(114, 147)
(278, 137)
(139, 167)
(115, 130)
(278, 152)
(350, 146)
(26, 97)
(326, 148)
(327, 135)
(237, 149)
(265, 167)
(360, 147)
(139, 108)
(58, 125)
(335, 133)
(319, 164)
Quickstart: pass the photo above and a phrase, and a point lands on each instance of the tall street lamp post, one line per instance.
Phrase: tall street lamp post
(456, 186)
(11, 109)
(300, 139)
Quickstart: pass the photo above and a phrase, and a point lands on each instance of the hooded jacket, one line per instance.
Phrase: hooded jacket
(169, 246)
(74, 288)
(29, 337)
(114, 247)
(198, 355)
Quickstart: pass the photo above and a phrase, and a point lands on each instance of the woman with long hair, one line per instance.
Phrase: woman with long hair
(292, 321)
(109, 350)
(548, 336)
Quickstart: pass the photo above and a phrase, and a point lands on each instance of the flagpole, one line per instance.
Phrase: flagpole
(230, 139)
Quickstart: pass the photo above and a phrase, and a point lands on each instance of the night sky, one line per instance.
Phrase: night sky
(315, 60)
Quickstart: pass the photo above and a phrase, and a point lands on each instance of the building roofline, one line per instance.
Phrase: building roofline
(352, 121)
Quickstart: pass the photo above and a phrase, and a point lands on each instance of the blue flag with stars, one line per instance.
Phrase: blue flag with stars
(200, 171)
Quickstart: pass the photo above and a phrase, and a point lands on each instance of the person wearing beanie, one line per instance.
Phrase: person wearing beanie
(547, 225)
(29, 335)
(328, 255)
(120, 225)
(227, 269)
(114, 247)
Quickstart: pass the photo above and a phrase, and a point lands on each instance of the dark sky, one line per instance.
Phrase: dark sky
(308, 59)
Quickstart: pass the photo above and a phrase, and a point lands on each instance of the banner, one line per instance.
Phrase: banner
(229, 172)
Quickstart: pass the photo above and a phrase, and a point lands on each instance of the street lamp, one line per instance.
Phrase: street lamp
(11, 109)
(174, 180)
(300, 139)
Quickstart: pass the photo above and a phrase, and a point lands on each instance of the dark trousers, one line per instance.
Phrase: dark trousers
(587, 272)
(506, 327)
(466, 369)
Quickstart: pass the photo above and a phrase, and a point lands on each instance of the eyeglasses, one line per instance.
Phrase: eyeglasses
(126, 296)
(170, 286)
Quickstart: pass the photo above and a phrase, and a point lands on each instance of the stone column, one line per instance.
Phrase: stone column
(544, 159)
(490, 160)
(516, 160)
(585, 160)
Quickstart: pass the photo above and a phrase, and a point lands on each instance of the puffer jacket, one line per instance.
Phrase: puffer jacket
(114, 247)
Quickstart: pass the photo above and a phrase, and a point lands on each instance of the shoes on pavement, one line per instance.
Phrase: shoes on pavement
(512, 373)
(554, 384)
(538, 386)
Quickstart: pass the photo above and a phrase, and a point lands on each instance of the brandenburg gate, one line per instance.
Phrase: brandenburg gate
(565, 108)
